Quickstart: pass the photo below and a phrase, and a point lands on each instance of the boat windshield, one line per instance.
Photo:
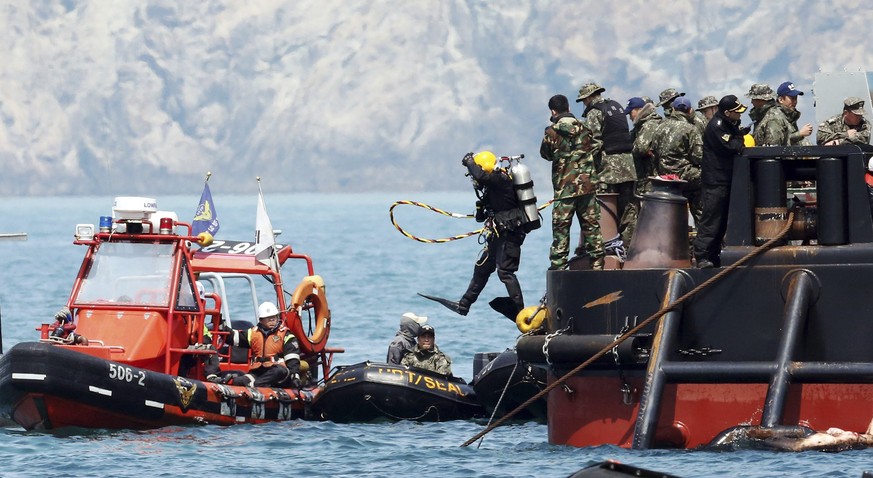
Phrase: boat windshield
(129, 273)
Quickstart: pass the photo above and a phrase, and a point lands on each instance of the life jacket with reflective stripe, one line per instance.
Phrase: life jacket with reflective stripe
(267, 350)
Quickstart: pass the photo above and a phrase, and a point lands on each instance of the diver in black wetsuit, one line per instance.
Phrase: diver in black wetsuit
(498, 204)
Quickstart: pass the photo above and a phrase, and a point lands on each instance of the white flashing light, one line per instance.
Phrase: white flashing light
(84, 232)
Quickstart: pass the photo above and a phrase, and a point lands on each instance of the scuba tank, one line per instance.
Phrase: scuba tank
(527, 201)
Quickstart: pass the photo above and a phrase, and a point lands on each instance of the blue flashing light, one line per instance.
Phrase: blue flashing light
(105, 223)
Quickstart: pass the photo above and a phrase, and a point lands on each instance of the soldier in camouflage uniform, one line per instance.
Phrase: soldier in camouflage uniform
(645, 120)
(665, 99)
(567, 144)
(611, 145)
(671, 121)
(787, 98)
(706, 108)
(426, 355)
(763, 100)
(678, 148)
(849, 127)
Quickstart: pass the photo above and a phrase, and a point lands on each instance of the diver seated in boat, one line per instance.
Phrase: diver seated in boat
(426, 355)
(404, 340)
(275, 355)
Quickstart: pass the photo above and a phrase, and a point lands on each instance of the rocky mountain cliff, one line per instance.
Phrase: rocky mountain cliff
(102, 97)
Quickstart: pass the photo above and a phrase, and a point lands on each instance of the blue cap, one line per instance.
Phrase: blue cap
(682, 104)
(634, 103)
(788, 89)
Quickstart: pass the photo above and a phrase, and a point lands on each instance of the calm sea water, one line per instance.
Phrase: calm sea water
(372, 274)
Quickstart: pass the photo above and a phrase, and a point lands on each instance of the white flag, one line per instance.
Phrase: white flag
(264, 238)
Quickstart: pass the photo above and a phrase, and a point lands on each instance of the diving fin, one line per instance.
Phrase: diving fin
(453, 306)
(505, 306)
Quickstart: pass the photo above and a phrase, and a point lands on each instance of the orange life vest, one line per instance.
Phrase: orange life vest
(267, 350)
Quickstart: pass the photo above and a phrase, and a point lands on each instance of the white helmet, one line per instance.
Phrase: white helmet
(267, 309)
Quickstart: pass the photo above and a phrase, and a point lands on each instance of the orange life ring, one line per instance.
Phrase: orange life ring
(311, 289)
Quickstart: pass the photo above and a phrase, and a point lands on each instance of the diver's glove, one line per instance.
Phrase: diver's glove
(468, 159)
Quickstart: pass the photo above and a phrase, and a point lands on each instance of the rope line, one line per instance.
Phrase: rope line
(664, 310)
(500, 400)
(444, 213)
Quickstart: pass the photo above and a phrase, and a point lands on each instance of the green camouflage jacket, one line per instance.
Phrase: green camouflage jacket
(794, 136)
(678, 147)
(774, 128)
(567, 144)
(834, 128)
(432, 360)
(645, 127)
(700, 122)
(756, 115)
(614, 168)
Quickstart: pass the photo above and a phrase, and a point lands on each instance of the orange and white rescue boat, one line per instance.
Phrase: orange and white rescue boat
(131, 353)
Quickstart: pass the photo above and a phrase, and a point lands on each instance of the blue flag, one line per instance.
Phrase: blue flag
(206, 217)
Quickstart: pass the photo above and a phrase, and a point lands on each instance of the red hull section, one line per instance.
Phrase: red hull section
(692, 415)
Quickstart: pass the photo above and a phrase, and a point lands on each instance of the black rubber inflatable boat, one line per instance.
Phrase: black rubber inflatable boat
(368, 391)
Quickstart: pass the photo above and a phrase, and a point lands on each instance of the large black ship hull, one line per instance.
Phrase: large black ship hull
(778, 336)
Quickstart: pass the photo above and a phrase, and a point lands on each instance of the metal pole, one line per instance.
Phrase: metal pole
(800, 292)
(650, 400)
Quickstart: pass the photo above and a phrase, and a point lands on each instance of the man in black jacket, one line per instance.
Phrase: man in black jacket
(722, 142)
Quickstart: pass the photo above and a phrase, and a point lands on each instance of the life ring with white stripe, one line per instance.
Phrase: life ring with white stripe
(310, 296)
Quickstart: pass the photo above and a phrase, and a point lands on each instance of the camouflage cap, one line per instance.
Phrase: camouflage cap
(667, 96)
(647, 100)
(706, 102)
(760, 91)
(589, 89)
(853, 104)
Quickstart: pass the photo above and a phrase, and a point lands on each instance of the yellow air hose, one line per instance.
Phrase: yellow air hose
(440, 211)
